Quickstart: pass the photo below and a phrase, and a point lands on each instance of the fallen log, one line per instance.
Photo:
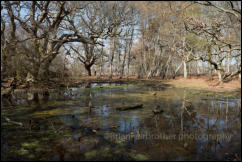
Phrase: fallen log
(129, 107)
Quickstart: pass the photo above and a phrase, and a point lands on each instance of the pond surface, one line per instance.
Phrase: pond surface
(60, 125)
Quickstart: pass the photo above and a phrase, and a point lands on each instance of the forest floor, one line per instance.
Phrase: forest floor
(194, 82)
(205, 84)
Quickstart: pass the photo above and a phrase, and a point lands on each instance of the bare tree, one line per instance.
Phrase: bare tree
(45, 24)
(7, 44)
(99, 21)
(218, 48)
(89, 56)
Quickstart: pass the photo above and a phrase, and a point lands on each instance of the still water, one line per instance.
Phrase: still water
(83, 124)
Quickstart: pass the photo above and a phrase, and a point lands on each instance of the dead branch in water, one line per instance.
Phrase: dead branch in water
(129, 107)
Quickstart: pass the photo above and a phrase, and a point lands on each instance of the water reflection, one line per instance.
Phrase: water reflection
(190, 128)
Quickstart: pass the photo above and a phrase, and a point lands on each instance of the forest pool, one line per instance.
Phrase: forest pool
(83, 124)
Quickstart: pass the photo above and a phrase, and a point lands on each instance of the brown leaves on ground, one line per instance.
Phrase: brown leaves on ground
(197, 82)
(203, 82)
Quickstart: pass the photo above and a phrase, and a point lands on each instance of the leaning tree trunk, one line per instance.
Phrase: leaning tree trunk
(175, 72)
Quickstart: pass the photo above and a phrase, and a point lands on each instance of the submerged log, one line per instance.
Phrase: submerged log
(129, 107)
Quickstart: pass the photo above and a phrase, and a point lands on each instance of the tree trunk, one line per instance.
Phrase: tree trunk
(35, 70)
(43, 73)
(198, 71)
(3, 64)
(167, 66)
(130, 46)
(88, 68)
(140, 71)
(220, 78)
(189, 68)
(176, 70)
(210, 72)
(101, 64)
(111, 58)
(150, 74)
(111, 70)
(228, 65)
(123, 63)
(185, 69)
(64, 67)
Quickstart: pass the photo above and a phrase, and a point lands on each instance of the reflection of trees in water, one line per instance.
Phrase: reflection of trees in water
(212, 116)
(212, 121)
(37, 97)
(217, 121)
(88, 99)
(27, 97)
